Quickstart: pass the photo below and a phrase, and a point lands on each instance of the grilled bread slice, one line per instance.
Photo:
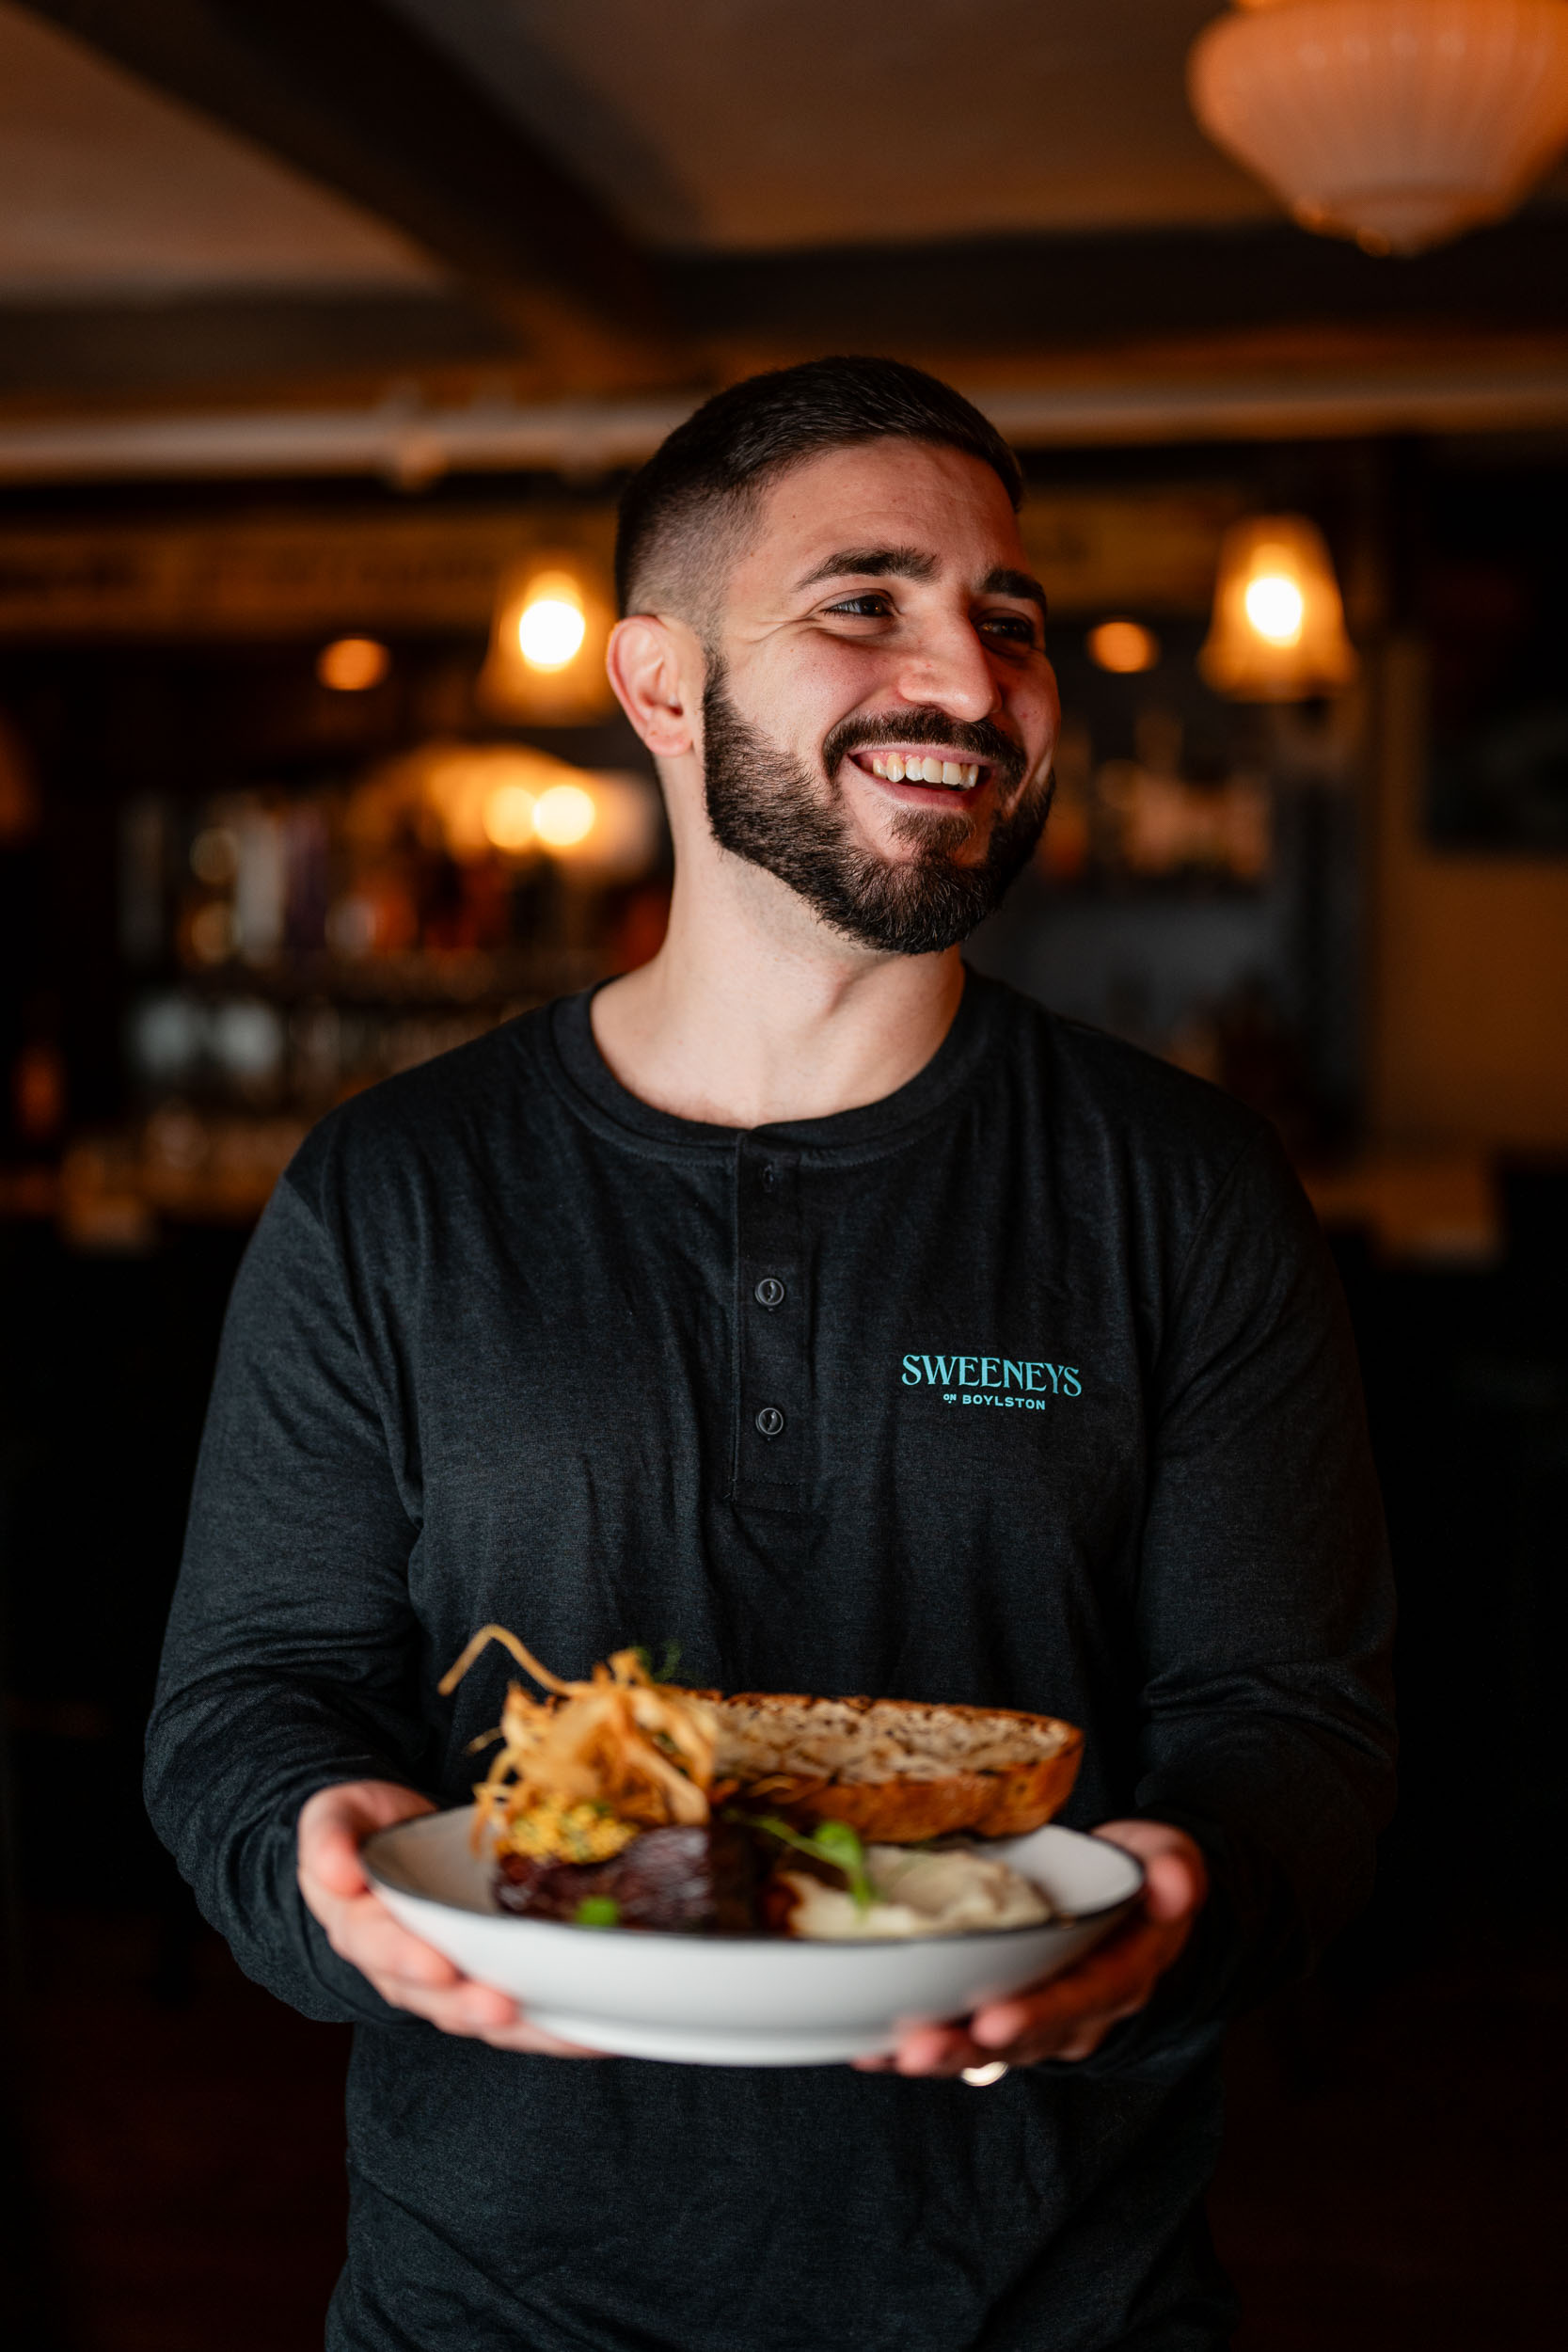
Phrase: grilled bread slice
(895, 1770)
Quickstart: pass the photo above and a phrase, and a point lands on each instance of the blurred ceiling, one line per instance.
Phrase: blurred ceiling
(413, 205)
(753, 123)
(110, 190)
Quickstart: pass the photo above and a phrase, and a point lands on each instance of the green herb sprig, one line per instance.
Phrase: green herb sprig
(665, 1670)
(836, 1842)
(598, 1911)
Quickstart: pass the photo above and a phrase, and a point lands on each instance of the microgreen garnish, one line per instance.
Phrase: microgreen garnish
(664, 1671)
(836, 1842)
(598, 1911)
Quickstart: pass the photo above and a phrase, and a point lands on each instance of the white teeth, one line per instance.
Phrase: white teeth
(959, 775)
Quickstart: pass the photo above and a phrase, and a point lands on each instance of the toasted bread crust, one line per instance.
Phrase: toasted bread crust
(1003, 1798)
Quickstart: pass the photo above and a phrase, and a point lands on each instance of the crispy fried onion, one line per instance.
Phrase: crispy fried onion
(639, 1748)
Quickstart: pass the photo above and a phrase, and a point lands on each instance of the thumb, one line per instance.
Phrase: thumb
(334, 1820)
(331, 1853)
(1172, 1888)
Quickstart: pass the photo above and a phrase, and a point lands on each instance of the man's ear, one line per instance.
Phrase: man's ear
(656, 668)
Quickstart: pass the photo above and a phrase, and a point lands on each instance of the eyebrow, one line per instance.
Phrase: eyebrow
(874, 564)
(914, 563)
(1002, 583)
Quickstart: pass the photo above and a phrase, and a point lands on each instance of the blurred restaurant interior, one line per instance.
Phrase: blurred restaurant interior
(327, 336)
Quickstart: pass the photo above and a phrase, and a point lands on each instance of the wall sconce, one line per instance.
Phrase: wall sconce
(545, 663)
(1278, 629)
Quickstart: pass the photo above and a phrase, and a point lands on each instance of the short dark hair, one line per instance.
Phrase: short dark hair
(752, 431)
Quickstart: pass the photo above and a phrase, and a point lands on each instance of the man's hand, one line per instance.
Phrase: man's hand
(1070, 2016)
(407, 1973)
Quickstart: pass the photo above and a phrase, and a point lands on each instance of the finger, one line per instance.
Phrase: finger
(1065, 2033)
(1105, 1979)
(478, 2013)
(941, 2050)
(366, 1934)
(1066, 2040)
(329, 1851)
(468, 2010)
(1001, 2031)
(1171, 1887)
(1113, 1986)
(534, 2042)
(335, 1822)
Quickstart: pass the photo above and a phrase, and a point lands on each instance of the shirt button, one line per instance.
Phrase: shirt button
(769, 1291)
(770, 1422)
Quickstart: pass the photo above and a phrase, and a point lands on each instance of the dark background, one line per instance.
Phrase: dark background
(466, 213)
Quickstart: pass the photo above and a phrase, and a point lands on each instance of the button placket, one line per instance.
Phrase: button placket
(771, 1421)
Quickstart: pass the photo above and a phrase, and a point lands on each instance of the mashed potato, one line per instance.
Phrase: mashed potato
(951, 1891)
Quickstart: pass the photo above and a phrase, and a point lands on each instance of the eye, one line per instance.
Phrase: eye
(871, 605)
(1016, 626)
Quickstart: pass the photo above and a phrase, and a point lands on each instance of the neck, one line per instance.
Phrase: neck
(753, 1012)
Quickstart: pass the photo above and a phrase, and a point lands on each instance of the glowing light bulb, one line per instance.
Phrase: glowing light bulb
(564, 816)
(550, 630)
(509, 817)
(1276, 608)
(1278, 628)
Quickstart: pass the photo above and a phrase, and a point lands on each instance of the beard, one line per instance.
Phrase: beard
(765, 806)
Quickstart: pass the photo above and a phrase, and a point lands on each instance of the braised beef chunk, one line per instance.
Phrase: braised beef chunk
(700, 1879)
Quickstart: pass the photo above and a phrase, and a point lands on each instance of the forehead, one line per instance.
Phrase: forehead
(882, 493)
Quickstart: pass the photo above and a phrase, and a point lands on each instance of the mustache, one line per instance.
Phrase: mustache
(982, 739)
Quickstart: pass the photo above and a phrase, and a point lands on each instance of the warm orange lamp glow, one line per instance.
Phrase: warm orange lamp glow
(564, 816)
(507, 817)
(1124, 647)
(1278, 630)
(547, 638)
(551, 625)
(350, 665)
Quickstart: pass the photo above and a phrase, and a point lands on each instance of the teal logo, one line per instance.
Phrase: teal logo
(1026, 1383)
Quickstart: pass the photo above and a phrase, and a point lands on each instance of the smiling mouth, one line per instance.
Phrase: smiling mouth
(955, 775)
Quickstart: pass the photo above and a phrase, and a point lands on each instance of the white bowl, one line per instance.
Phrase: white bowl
(746, 2000)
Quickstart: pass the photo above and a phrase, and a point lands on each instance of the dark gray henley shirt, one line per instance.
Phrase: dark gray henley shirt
(1067, 1416)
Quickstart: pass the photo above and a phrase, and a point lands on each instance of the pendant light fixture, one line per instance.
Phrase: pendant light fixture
(1278, 630)
(1395, 123)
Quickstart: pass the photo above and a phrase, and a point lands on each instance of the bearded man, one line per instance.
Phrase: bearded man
(603, 1328)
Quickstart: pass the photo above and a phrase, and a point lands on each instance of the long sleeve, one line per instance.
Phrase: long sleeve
(291, 1650)
(1265, 1606)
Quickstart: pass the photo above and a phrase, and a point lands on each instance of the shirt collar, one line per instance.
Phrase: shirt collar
(981, 1017)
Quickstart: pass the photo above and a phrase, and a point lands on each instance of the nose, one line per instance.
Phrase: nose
(949, 667)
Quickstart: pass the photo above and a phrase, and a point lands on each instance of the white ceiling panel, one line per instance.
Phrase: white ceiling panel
(753, 123)
(109, 190)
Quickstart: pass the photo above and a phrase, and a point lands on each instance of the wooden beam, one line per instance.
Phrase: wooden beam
(187, 344)
(350, 92)
(1062, 294)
